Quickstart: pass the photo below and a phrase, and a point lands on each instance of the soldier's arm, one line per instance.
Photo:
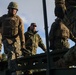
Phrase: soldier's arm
(52, 35)
(41, 44)
(26, 36)
(0, 33)
(21, 34)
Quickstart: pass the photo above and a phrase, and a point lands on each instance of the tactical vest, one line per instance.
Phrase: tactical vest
(62, 31)
(10, 26)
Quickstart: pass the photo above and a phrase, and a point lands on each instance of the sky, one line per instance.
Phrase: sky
(32, 11)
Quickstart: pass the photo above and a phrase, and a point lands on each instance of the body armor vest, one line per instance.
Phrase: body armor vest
(62, 31)
(10, 26)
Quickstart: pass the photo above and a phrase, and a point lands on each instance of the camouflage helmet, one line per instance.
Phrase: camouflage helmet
(12, 5)
(33, 24)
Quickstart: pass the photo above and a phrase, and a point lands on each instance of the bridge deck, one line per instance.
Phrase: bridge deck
(39, 61)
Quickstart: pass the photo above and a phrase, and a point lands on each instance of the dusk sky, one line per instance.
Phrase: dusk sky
(32, 11)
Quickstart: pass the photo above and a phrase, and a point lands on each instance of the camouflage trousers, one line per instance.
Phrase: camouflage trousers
(12, 50)
(68, 59)
(70, 56)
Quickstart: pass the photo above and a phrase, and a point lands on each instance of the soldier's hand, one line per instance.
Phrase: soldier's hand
(25, 52)
(23, 47)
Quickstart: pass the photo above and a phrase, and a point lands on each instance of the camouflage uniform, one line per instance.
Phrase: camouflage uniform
(70, 56)
(69, 59)
(69, 20)
(59, 35)
(13, 34)
(33, 40)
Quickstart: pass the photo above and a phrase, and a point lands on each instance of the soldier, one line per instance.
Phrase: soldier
(33, 40)
(69, 20)
(12, 34)
(59, 35)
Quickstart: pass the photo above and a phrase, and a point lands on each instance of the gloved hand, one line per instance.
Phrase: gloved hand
(25, 52)
(22, 46)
